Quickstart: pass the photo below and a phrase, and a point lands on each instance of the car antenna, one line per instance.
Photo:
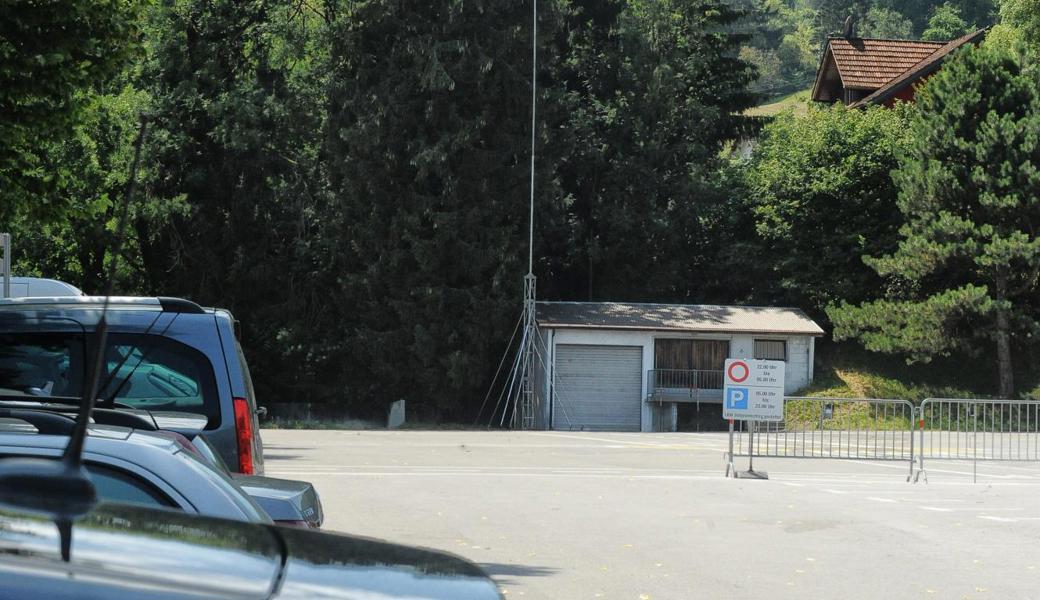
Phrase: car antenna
(61, 489)
(74, 451)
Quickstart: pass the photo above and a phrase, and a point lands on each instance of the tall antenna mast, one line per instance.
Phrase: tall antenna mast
(524, 402)
(534, 112)
(518, 388)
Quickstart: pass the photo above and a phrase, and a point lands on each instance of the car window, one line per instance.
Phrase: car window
(113, 485)
(156, 373)
(150, 372)
(46, 364)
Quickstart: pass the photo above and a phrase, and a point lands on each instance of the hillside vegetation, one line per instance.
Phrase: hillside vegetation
(352, 178)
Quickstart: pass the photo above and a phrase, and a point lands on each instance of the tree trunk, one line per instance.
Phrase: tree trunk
(1004, 370)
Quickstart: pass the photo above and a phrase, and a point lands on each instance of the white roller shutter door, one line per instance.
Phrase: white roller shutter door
(598, 388)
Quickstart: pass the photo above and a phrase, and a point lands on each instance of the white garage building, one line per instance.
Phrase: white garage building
(611, 366)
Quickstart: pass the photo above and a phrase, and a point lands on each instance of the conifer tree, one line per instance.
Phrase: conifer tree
(965, 273)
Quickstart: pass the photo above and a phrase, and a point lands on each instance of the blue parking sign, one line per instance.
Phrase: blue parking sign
(737, 398)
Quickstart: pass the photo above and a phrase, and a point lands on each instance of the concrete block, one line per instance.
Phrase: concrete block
(395, 418)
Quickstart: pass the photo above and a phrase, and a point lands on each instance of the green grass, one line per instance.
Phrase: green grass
(797, 102)
(848, 371)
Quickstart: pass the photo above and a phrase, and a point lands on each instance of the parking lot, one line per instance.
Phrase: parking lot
(650, 516)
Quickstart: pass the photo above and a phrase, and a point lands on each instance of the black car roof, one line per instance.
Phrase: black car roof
(163, 303)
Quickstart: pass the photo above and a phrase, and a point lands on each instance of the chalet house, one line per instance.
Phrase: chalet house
(861, 72)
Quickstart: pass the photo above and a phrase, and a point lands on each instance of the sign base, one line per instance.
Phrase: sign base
(751, 474)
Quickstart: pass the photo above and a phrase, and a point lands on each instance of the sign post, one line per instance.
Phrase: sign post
(753, 391)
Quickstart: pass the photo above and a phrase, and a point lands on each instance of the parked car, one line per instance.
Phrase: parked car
(22, 287)
(126, 551)
(59, 541)
(163, 354)
(160, 469)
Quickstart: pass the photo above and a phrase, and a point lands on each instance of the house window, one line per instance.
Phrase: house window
(690, 363)
(771, 349)
(696, 355)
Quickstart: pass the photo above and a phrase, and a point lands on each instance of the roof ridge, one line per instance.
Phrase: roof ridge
(874, 39)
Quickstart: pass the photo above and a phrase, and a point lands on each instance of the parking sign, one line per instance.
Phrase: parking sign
(753, 390)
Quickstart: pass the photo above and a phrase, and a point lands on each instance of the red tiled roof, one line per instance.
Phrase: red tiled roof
(868, 64)
(924, 68)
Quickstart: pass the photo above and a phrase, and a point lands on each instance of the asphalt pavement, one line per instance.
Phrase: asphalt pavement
(649, 516)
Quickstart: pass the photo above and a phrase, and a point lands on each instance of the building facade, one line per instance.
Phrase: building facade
(610, 366)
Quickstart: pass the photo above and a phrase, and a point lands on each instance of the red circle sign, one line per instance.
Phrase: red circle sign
(735, 368)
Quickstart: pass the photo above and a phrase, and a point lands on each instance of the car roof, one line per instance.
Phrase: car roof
(41, 286)
(157, 303)
(100, 433)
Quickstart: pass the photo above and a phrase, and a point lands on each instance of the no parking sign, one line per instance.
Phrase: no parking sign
(753, 390)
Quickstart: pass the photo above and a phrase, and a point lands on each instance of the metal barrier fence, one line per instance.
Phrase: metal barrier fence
(972, 429)
(839, 428)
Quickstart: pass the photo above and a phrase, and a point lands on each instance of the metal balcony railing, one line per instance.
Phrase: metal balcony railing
(684, 385)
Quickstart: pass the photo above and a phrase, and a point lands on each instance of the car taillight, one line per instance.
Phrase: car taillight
(244, 436)
(183, 442)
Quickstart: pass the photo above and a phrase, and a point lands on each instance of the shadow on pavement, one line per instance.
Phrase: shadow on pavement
(506, 574)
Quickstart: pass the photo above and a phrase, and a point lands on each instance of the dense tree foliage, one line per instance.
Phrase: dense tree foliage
(787, 35)
(945, 23)
(820, 189)
(52, 57)
(351, 177)
(969, 257)
(652, 92)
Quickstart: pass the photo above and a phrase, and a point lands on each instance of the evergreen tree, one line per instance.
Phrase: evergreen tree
(653, 94)
(233, 146)
(966, 268)
(427, 151)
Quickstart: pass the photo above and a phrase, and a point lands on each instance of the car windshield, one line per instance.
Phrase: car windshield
(141, 371)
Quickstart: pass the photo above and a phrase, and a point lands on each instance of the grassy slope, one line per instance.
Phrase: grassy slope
(845, 370)
(797, 102)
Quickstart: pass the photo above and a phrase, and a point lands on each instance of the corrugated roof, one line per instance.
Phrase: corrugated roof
(868, 64)
(676, 317)
(924, 68)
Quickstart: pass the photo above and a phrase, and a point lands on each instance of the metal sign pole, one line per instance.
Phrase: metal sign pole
(729, 456)
(752, 426)
(751, 473)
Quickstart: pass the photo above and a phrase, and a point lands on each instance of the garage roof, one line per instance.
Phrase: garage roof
(676, 317)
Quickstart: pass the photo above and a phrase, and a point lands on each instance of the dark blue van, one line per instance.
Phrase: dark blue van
(162, 355)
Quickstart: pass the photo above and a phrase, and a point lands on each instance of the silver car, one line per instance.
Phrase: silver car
(155, 468)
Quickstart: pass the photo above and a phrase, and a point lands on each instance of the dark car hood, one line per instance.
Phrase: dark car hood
(326, 566)
(122, 551)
